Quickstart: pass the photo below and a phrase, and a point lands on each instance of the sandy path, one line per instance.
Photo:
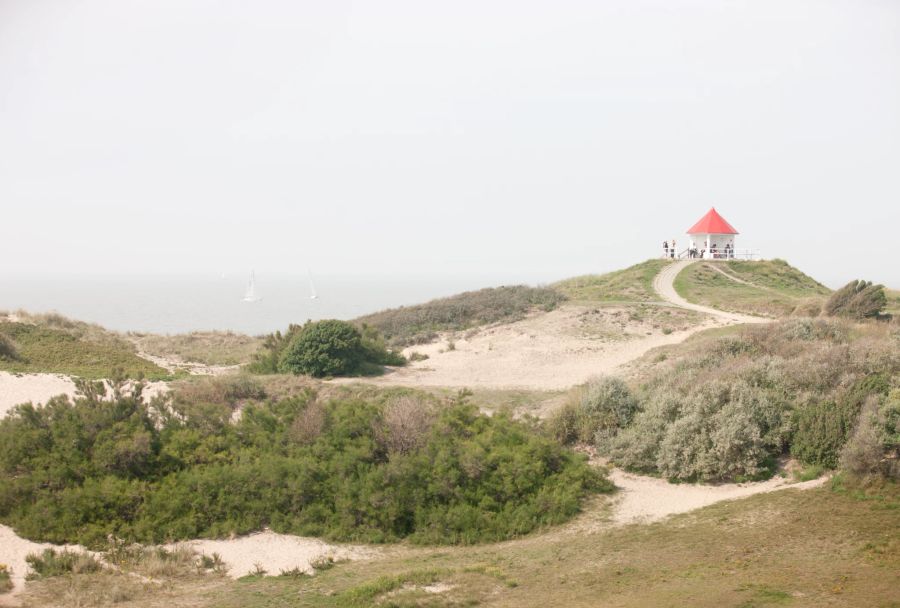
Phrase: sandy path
(276, 552)
(173, 364)
(664, 284)
(647, 499)
(548, 351)
(13, 550)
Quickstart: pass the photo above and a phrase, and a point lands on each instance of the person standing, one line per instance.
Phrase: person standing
(665, 249)
(673, 248)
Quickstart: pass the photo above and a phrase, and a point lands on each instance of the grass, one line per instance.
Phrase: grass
(49, 349)
(827, 546)
(893, 302)
(6, 584)
(777, 289)
(633, 284)
(206, 347)
(421, 323)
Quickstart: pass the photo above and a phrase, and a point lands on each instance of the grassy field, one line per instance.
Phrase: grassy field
(775, 288)
(207, 347)
(88, 353)
(633, 284)
(831, 546)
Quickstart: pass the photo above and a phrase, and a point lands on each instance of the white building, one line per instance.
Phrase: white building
(711, 238)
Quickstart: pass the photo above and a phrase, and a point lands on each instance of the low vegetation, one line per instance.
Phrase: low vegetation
(80, 350)
(206, 347)
(726, 407)
(857, 300)
(6, 584)
(633, 284)
(831, 546)
(421, 323)
(367, 470)
(775, 288)
(325, 348)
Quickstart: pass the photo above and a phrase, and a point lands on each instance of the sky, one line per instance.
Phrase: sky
(401, 137)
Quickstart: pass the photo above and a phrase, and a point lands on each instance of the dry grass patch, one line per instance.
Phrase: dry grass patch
(206, 347)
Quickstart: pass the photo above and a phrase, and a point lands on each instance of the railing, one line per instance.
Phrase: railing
(719, 253)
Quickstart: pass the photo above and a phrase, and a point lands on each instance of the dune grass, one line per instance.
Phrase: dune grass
(776, 289)
(88, 354)
(832, 546)
(633, 284)
(420, 323)
(206, 347)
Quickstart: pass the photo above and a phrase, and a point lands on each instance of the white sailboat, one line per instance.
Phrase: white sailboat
(250, 294)
(312, 288)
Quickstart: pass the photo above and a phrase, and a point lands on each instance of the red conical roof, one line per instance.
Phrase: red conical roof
(712, 223)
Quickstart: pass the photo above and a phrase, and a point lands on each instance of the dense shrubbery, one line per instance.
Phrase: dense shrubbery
(325, 348)
(350, 469)
(596, 413)
(729, 407)
(857, 300)
(874, 446)
(420, 323)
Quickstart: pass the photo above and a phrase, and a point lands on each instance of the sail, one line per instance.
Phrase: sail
(250, 294)
(312, 287)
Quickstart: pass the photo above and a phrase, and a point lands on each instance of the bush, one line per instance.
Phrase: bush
(874, 447)
(728, 407)
(596, 413)
(325, 348)
(857, 300)
(8, 350)
(56, 563)
(348, 470)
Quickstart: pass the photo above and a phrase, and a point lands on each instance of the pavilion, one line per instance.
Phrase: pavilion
(711, 238)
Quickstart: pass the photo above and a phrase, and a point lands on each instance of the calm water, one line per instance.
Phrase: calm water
(180, 304)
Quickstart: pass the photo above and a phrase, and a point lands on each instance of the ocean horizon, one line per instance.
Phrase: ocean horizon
(179, 304)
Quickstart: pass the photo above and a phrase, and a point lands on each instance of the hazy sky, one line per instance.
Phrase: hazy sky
(539, 139)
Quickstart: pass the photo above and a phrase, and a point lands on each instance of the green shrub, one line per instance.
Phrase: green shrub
(857, 300)
(56, 563)
(325, 348)
(596, 413)
(350, 470)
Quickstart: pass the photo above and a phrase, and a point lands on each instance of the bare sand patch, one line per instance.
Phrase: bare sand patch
(645, 499)
(547, 351)
(40, 388)
(275, 552)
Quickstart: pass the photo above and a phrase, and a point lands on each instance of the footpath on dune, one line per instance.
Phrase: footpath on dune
(548, 352)
(664, 284)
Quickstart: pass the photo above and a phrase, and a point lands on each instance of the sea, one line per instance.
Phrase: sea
(170, 305)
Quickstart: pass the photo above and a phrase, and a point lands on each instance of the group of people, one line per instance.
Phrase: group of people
(669, 250)
(726, 252)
